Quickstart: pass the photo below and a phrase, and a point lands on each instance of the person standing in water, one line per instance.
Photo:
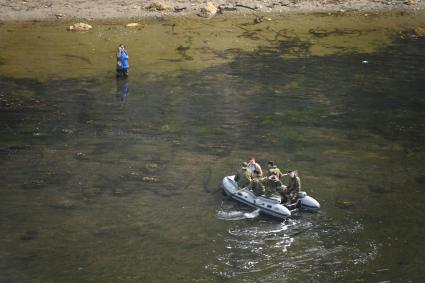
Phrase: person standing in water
(122, 61)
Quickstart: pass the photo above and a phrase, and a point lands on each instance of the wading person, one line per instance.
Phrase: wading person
(122, 61)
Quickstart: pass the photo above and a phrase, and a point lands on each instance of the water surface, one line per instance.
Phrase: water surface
(118, 180)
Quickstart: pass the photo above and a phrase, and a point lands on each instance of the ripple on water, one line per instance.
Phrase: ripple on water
(251, 248)
(310, 245)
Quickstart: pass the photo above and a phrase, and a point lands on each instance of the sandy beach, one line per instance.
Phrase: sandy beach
(45, 10)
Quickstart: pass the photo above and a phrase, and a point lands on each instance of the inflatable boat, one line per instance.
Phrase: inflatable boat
(267, 205)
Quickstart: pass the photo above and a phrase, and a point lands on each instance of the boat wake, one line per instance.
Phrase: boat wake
(237, 215)
(273, 250)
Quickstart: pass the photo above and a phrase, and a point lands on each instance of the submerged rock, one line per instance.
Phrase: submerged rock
(81, 156)
(65, 204)
(259, 19)
(91, 192)
(68, 131)
(134, 174)
(419, 31)
(121, 191)
(344, 204)
(80, 27)
(29, 235)
(151, 179)
(151, 166)
(377, 189)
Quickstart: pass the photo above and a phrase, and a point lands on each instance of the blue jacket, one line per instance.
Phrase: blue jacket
(124, 59)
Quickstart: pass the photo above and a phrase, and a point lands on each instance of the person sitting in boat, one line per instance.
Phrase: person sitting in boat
(243, 177)
(257, 184)
(273, 169)
(254, 166)
(256, 175)
(273, 187)
(291, 191)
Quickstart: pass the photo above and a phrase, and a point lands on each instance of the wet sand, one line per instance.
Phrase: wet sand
(27, 10)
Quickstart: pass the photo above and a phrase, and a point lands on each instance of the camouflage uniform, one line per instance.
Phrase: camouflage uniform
(273, 187)
(257, 186)
(243, 178)
(293, 188)
(276, 171)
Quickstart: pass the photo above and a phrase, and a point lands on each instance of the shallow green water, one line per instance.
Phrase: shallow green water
(101, 183)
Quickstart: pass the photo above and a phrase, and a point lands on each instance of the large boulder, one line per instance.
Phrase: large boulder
(208, 10)
(80, 27)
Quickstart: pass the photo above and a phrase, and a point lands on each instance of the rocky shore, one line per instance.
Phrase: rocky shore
(45, 10)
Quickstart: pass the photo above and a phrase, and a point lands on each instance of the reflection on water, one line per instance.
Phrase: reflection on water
(96, 189)
(122, 89)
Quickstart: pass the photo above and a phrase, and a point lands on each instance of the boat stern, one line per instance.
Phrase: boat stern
(309, 203)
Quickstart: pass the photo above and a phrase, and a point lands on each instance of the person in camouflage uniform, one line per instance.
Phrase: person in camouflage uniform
(273, 187)
(243, 177)
(293, 187)
(273, 169)
(257, 186)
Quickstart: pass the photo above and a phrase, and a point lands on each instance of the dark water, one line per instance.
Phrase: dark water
(107, 180)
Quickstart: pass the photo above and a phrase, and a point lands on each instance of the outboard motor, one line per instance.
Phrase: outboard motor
(307, 202)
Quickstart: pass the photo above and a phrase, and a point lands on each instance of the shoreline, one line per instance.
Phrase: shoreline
(62, 10)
